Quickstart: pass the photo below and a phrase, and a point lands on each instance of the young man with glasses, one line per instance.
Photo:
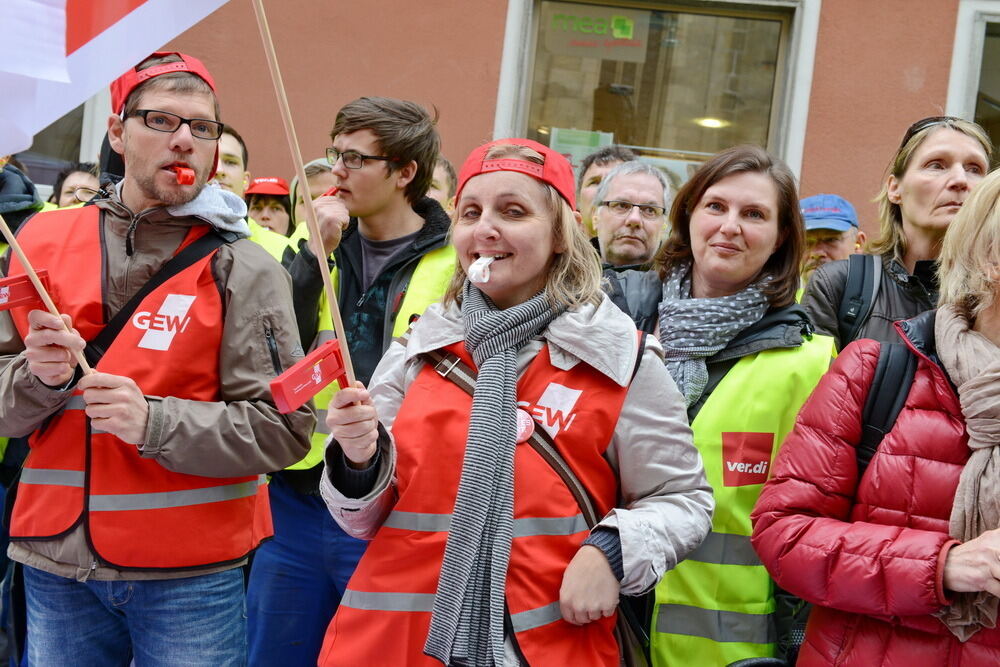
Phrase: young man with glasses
(390, 259)
(630, 214)
(144, 491)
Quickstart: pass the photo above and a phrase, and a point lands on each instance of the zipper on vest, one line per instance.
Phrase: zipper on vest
(272, 346)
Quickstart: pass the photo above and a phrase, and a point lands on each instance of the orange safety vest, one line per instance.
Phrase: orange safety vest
(385, 613)
(136, 513)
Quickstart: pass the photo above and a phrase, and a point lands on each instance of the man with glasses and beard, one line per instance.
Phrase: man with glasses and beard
(144, 490)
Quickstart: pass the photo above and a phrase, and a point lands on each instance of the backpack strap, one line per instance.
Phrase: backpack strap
(194, 251)
(864, 275)
(888, 391)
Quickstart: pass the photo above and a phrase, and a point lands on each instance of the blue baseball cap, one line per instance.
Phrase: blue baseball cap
(828, 212)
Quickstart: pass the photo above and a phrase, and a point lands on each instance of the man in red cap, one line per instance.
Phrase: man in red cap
(144, 491)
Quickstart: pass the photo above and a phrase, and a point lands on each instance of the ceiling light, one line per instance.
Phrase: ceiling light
(713, 123)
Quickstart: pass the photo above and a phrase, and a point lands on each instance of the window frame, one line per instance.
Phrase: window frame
(786, 134)
(967, 55)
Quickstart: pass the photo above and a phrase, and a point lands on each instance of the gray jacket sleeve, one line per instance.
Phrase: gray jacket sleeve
(25, 402)
(242, 434)
(667, 503)
(362, 517)
(822, 297)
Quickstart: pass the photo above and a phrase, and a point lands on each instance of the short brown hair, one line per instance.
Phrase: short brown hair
(783, 264)
(405, 132)
(175, 82)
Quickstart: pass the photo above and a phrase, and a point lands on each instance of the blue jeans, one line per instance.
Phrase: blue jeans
(297, 579)
(192, 621)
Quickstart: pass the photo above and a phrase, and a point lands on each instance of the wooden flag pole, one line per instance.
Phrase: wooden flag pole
(300, 172)
(40, 288)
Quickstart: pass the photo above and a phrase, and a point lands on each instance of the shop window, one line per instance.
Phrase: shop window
(987, 111)
(675, 84)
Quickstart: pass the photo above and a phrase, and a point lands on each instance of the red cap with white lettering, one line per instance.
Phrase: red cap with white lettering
(555, 169)
(123, 86)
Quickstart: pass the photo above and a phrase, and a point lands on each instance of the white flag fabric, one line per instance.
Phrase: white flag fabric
(58, 53)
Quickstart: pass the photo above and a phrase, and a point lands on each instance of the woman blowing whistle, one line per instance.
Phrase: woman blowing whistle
(480, 553)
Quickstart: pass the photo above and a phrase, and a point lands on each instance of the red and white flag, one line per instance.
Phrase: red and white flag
(58, 53)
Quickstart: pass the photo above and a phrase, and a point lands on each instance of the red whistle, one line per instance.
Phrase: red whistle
(185, 175)
(18, 291)
(332, 191)
(305, 379)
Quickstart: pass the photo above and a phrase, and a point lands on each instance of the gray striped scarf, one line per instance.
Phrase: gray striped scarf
(691, 330)
(467, 621)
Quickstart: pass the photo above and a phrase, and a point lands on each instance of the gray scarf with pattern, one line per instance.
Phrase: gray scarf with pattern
(468, 615)
(691, 330)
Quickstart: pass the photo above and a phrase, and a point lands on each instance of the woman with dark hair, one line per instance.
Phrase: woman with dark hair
(722, 303)
(481, 553)
(902, 561)
(939, 161)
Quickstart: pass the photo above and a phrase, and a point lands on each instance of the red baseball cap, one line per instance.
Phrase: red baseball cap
(556, 169)
(123, 86)
(268, 185)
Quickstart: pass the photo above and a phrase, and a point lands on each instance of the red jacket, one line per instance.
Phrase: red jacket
(871, 555)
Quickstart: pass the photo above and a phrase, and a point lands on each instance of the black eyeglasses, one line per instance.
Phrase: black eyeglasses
(622, 208)
(164, 121)
(923, 124)
(352, 159)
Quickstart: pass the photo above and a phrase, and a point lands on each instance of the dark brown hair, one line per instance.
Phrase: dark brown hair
(405, 132)
(783, 264)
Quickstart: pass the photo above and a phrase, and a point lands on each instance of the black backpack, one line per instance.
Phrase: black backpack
(864, 277)
(888, 391)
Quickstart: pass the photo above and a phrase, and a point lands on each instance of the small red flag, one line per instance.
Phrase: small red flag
(18, 291)
(306, 378)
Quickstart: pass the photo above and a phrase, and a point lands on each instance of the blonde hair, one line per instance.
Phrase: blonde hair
(574, 278)
(891, 240)
(970, 254)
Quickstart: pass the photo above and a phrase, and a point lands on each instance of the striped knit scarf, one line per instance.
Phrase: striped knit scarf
(468, 616)
(691, 330)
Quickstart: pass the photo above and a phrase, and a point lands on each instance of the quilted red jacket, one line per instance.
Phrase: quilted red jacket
(870, 555)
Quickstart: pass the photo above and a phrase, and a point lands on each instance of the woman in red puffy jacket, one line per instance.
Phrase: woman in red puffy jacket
(903, 565)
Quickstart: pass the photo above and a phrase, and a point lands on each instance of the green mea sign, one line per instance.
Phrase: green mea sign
(619, 27)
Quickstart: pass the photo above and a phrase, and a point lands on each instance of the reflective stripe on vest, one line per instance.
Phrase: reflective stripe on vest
(715, 607)
(525, 527)
(126, 502)
(427, 285)
(430, 430)
(520, 622)
(51, 476)
(725, 549)
(719, 626)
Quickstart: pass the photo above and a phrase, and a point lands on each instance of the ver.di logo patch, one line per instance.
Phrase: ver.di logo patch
(167, 322)
(746, 458)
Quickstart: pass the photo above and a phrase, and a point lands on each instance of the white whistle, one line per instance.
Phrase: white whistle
(479, 271)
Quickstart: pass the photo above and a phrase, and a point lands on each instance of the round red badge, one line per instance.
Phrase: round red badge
(525, 426)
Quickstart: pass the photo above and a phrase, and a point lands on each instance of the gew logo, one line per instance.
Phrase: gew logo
(164, 324)
(554, 410)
